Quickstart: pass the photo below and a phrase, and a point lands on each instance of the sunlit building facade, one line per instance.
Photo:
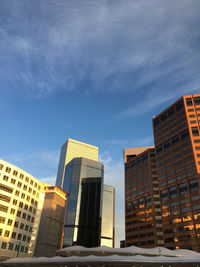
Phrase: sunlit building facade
(74, 149)
(89, 219)
(50, 233)
(27, 205)
(108, 216)
(20, 211)
(143, 226)
(177, 142)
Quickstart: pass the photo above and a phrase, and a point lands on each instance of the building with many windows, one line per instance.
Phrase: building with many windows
(177, 142)
(21, 204)
(142, 200)
(74, 149)
(177, 153)
(81, 174)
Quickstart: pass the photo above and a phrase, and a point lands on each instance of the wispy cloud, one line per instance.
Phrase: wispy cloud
(48, 47)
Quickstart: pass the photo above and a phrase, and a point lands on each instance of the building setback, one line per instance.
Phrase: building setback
(142, 200)
(177, 142)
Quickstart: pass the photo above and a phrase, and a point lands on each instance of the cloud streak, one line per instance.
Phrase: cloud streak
(110, 46)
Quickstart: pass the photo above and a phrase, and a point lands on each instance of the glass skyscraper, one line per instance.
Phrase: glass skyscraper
(81, 174)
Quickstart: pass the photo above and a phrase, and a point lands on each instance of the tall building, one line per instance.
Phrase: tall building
(74, 149)
(22, 199)
(108, 217)
(51, 225)
(177, 142)
(142, 200)
(20, 211)
(84, 181)
(81, 174)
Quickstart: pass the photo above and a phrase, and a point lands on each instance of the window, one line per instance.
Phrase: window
(148, 200)
(179, 106)
(156, 123)
(1, 166)
(8, 169)
(21, 225)
(7, 233)
(193, 122)
(16, 247)
(19, 236)
(21, 204)
(26, 227)
(4, 198)
(194, 185)
(13, 235)
(26, 207)
(171, 112)
(28, 218)
(14, 202)
(2, 219)
(173, 192)
(9, 222)
(21, 176)
(18, 213)
(164, 195)
(3, 245)
(189, 102)
(11, 246)
(16, 224)
(197, 100)
(19, 184)
(175, 140)
(24, 215)
(192, 116)
(25, 187)
(12, 211)
(195, 131)
(3, 208)
(184, 134)
(182, 189)
(31, 182)
(6, 188)
(5, 178)
(23, 195)
(27, 179)
(15, 173)
(159, 149)
(16, 193)
(167, 144)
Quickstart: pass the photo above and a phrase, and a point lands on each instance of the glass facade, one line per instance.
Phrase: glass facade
(77, 170)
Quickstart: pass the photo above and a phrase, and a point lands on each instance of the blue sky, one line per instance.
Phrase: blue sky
(94, 71)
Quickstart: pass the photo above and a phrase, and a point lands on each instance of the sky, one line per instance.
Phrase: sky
(94, 71)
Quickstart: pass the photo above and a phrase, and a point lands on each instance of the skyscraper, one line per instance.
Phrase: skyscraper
(74, 149)
(177, 166)
(81, 174)
(142, 200)
(177, 142)
(84, 181)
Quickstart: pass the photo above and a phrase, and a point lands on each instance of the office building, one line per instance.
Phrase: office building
(20, 210)
(143, 226)
(74, 149)
(89, 219)
(177, 143)
(21, 205)
(84, 181)
(108, 216)
(50, 233)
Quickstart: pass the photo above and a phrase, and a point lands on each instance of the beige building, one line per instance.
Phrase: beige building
(52, 221)
(22, 200)
(74, 149)
(21, 203)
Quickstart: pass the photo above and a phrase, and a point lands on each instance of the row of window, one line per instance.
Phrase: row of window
(182, 189)
(19, 185)
(175, 140)
(139, 203)
(171, 112)
(10, 246)
(21, 176)
(140, 160)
